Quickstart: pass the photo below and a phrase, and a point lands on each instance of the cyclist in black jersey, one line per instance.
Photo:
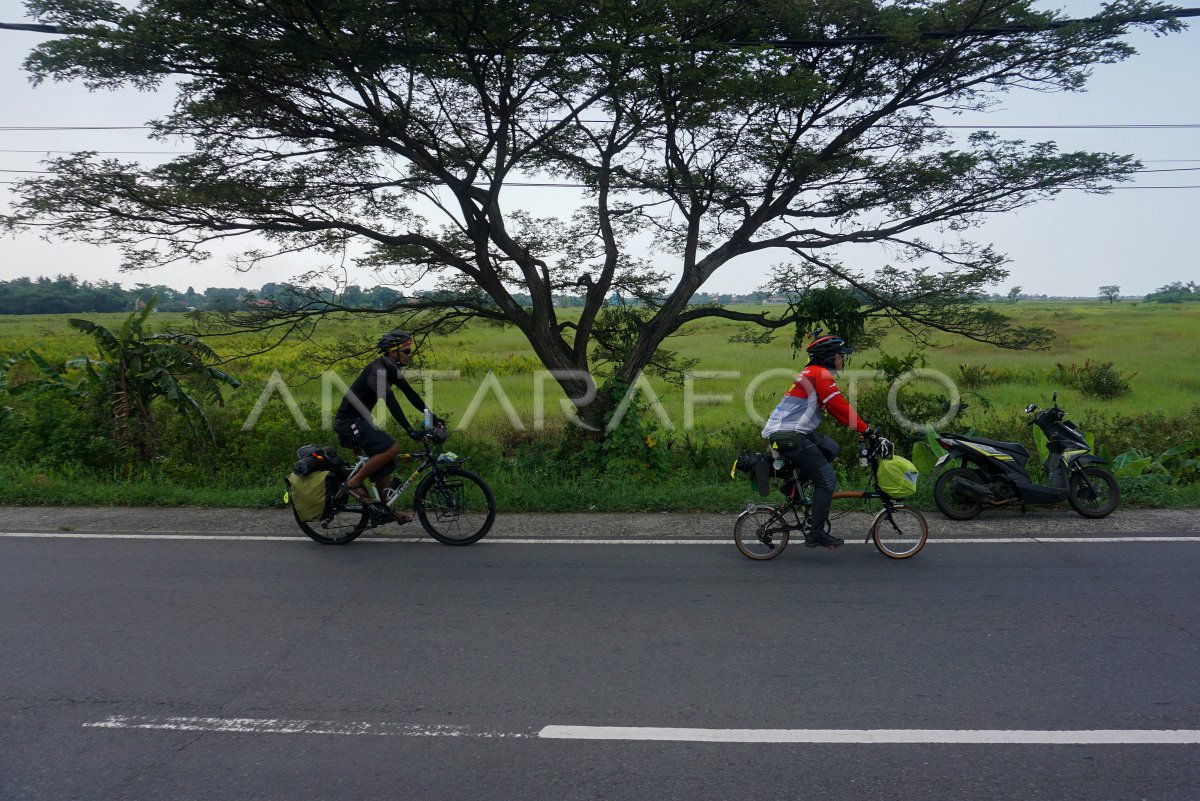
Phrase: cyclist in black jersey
(355, 427)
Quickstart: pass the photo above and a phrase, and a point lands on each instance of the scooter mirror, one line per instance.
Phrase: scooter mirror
(1054, 397)
(1031, 408)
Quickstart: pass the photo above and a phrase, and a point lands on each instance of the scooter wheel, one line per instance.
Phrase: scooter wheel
(952, 504)
(1093, 492)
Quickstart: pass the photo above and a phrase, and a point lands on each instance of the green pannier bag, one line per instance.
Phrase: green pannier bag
(897, 476)
(308, 495)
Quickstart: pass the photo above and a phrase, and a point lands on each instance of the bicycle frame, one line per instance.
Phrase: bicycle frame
(430, 459)
(794, 505)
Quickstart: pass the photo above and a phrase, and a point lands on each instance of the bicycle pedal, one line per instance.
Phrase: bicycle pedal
(379, 516)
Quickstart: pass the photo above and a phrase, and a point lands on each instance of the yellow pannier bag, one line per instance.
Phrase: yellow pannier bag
(897, 476)
(308, 495)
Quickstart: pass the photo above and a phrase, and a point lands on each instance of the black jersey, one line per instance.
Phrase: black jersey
(375, 382)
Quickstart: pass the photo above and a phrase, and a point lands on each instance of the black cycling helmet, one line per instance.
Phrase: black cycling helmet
(393, 339)
(823, 348)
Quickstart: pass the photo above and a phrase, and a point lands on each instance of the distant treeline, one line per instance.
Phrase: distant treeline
(1176, 292)
(67, 294)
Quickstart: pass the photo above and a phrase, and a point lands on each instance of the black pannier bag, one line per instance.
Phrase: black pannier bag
(315, 481)
(312, 458)
(757, 466)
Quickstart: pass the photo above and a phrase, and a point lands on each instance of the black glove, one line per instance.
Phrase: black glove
(879, 443)
(416, 434)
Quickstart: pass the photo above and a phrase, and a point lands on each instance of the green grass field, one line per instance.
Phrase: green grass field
(1153, 344)
(1150, 344)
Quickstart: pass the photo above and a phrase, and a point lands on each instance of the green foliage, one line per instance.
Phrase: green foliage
(926, 453)
(1174, 465)
(1176, 292)
(834, 308)
(70, 439)
(618, 333)
(1095, 379)
(1144, 490)
(976, 375)
(893, 367)
(916, 406)
(629, 447)
(137, 367)
(471, 365)
(47, 378)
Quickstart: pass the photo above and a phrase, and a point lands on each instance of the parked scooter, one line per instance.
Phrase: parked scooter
(994, 474)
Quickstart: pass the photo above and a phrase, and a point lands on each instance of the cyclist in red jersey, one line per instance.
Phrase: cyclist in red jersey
(792, 429)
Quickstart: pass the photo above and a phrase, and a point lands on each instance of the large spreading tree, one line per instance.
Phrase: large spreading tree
(701, 133)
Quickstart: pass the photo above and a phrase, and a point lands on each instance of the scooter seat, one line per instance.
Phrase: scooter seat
(1014, 448)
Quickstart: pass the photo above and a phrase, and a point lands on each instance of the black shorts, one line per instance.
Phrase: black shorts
(365, 436)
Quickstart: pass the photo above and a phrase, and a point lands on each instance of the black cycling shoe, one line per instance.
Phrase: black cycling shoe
(822, 540)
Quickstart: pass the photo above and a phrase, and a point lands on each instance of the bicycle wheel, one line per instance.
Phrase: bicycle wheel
(455, 506)
(343, 525)
(761, 533)
(902, 535)
(1093, 492)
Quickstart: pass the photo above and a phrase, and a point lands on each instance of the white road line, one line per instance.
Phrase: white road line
(880, 736)
(274, 726)
(723, 541)
(646, 734)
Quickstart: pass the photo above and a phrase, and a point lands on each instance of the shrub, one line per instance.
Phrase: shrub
(1095, 379)
(974, 376)
(1144, 491)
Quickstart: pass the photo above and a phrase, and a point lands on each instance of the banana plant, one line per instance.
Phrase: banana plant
(1173, 465)
(48, 378)
(135, 368)
(925, 454)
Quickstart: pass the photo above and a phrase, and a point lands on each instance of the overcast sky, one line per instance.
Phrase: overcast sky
(1138, 238)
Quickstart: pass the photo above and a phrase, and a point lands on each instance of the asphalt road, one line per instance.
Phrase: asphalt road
(154, 668)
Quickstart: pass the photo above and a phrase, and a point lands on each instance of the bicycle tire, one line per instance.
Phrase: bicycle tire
(455, 506)
(899, 539)
(761, 533)
(342, 526)
(1090, 478)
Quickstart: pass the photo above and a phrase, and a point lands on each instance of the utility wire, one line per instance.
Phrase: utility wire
(584, 186)
(1096, 126)
(186, 152)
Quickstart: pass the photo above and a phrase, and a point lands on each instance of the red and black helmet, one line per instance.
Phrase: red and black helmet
(823, 348)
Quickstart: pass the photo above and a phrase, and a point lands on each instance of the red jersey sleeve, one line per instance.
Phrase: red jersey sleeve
(832, 400)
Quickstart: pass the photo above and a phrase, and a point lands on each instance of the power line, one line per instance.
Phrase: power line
(74, 127)
(116, 152)
(1085, 126)
(584, 186)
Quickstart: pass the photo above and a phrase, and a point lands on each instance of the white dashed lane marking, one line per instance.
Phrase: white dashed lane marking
(649, 734)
